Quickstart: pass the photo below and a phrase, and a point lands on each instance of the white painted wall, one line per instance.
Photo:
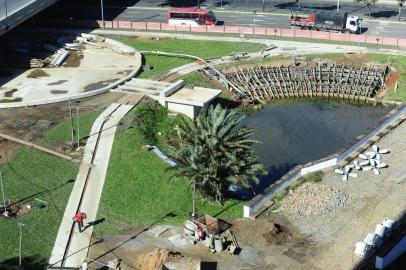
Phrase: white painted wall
(319, 166)
(188, 110)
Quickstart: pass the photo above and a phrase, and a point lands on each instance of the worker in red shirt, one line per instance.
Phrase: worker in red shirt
(78, 218)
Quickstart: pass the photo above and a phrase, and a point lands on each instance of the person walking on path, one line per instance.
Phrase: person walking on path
(78, 218)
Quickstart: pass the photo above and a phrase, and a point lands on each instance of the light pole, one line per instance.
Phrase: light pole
(253, 29)
(20, 225)
(71, 122)
(263, 5)
(2, 193)
(77, 121)
(338, 5)
(102, 13)
(5, 6)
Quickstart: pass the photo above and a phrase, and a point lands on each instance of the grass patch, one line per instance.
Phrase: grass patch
(26, 173)
(138, 190)
(400, 62)
(197, 79)
(62, 132)
(201, 48)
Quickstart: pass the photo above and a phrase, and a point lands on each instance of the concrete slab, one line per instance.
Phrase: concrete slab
(197, 96)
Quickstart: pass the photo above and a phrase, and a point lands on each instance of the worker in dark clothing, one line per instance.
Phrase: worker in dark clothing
(78, 218)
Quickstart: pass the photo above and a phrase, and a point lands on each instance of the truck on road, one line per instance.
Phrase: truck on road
(322, 20)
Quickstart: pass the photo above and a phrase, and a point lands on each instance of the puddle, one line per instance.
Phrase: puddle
(37, 73)
(124, 72)
(56, 92)
(11, 100)
(58, 82)
(98, 85)
(74, 59)
(10, 93)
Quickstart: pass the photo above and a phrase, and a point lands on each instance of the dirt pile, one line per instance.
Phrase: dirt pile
(155, 259)
(313, 199)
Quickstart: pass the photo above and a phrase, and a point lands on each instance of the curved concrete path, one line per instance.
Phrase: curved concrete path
(71, 246)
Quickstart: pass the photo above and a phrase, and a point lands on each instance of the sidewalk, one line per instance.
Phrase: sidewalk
(88, 188)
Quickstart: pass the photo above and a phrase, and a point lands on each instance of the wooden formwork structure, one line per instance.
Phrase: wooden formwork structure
(262, 84)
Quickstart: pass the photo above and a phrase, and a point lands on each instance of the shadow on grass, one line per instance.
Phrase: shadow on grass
(226, 208)
(170, 214)
(28, 263)
(46, 190)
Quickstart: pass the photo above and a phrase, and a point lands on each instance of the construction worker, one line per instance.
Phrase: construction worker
(78, 218)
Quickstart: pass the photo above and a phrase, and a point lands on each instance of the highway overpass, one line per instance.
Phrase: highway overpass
(14, 12)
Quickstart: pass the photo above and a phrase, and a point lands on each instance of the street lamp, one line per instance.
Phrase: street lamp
(2, 193)
(263, 5)
(5, 5)
(253, 28)
(338, 5)
(102, 13)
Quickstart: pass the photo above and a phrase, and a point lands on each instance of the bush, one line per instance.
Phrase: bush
(147, 117)
(313, 177)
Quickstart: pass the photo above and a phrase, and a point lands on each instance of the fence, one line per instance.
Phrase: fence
(231, 29)
(259, 202)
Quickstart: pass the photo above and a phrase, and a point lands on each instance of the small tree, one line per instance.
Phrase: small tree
(400, 5)
(368, 3)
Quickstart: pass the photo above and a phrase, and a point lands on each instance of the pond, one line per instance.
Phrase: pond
(303, 131)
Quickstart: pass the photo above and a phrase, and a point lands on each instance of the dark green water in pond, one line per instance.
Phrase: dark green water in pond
(296, 133)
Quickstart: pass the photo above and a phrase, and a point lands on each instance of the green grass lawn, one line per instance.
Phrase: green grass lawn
(203, 49)
(26, 173)
(197, 79)
(62, 132)
(138, 190)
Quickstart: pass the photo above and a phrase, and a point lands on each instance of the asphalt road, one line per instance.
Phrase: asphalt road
(389, 28)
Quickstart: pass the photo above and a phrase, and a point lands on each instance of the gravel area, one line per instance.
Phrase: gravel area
(313, 199)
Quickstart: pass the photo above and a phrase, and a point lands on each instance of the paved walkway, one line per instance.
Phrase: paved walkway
(70, 244)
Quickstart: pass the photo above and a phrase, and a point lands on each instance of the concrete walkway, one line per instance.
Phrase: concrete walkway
(70, 245)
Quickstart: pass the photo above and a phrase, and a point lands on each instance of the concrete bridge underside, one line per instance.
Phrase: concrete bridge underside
(14, 12)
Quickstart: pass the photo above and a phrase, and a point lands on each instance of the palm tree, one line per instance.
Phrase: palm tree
(214, 152)
(400, 5)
